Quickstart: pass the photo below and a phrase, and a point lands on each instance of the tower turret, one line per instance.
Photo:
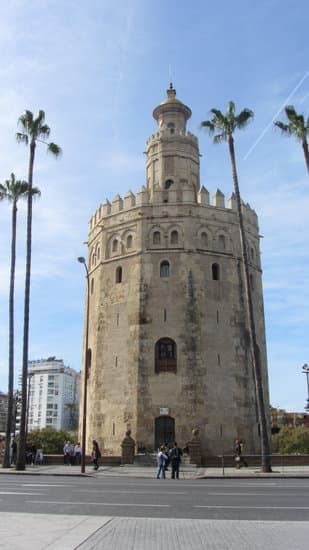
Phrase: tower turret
(172, 152)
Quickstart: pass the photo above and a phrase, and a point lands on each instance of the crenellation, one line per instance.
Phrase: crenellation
(218, 199)
(107, 208)
(129, 200)
(232, 204)
(203, 196)
(117, 204)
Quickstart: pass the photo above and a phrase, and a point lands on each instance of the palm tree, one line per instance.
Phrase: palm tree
(297, 127)
(12, 190)
(33, 130)
(225, 126)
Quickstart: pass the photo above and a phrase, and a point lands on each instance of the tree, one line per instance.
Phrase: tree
(292, 440)
(51, 440)
(34, 130)
(296, 127)
(222, 128)
(12, 190)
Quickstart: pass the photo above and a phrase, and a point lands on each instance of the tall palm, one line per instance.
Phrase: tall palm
(33, 130)
(12, 190)
(222, 127)
(298, 127)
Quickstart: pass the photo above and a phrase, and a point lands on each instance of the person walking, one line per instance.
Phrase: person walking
(95, 455)
(175, 455)
(239, 459)
(13, 452)
(161, 459)
(78, 453)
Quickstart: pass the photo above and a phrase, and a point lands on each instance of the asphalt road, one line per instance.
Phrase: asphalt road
(275, 500)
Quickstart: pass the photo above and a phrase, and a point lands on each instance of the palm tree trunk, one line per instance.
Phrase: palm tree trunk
(256, 360)
(9, 420)
(306, 152)
(21, 456)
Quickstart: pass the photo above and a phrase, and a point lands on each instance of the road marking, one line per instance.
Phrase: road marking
(255, 495)
(45, 485)
(17, 493)
(256, 507)
(103, 490)
(98, 503)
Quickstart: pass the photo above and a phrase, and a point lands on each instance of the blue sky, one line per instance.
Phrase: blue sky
(98, 69)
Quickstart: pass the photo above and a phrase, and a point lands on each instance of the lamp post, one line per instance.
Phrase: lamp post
(82, 260)
(305, 369)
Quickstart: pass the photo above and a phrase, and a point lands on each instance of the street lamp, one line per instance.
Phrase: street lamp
(82, 260)
(305, 369)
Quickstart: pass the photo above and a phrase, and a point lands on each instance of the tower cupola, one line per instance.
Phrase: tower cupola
(172, 152)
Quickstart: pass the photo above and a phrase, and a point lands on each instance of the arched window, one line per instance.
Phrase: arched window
(168, 184)
(221, 241)
(252, 253)
(93, 259)
(156, 237)
(115, 245)
(171, 127)
(165, 355)
(204, 239)
(129, 241)
(174, 237)
(215, 268)
(164, 269)
(119, 274)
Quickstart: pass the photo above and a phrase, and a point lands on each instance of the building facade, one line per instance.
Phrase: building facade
(167, 314)
(53, 395)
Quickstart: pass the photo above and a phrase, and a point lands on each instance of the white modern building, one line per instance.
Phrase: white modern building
(53, 395)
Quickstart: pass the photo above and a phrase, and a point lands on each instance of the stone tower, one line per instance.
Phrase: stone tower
(167, 317)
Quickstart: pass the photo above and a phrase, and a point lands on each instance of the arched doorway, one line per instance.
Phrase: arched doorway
(164, 430)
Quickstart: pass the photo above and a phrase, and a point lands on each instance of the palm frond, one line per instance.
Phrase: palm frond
(243, 118)
(219, 118)
(283, 127)
(230, 111)
(44, 131)
(291, 114)
(220, 137)
(54, 149)
(22, 138)
(209, 125)
(35, 192)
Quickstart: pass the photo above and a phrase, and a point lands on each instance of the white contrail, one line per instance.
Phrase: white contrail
(275, 116)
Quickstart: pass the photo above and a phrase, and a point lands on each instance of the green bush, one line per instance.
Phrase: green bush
(293, 440)
(50, 440)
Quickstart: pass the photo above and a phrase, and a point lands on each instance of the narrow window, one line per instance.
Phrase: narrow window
(221, 242)
(164, 315)
(219, 360)
(217, 317)
(129, 241)
(115, 245)
(251, 281)
(221, 430)
(116, 361)
(119, 274)
(204, 240)
(117, 322)
(164, 269)
(98, 253)
(174, 237)
(215, 272)
(93, 258)
(156, 238)
(114, 428)
(92, 286)
(252, 253)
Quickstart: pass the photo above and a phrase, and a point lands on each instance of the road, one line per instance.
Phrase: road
(233, 499)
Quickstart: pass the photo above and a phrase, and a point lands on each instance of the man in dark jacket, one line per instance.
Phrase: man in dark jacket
(175, 459)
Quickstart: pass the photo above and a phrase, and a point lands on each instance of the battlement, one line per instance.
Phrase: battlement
(172, 196)
(165, 133)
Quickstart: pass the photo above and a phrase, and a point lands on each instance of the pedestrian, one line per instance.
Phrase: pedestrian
(39, 458)
(77, 453)
(161, 459)
(175, 455)
(67, 449)
(239, 459)
(95, 455)
(13, 452)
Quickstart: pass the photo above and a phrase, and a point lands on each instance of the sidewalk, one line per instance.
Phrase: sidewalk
(140, 471)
